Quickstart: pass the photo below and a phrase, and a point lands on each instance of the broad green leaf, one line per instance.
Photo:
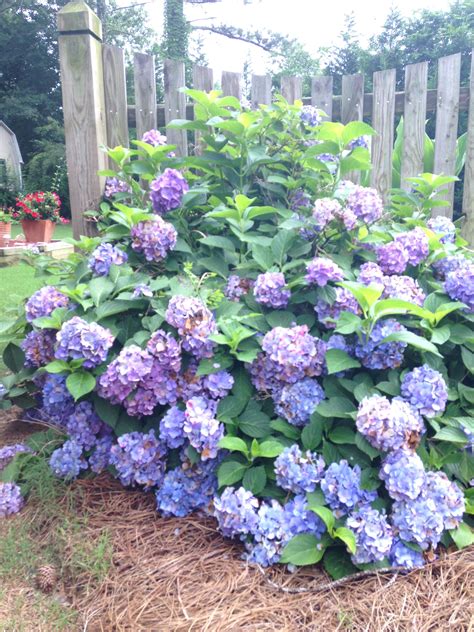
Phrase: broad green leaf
(302, 550)
(348, 323)
(255, 479)
(253, 422)
(335, 407)
(271, 448)
(287, 430)
(412, 339)
(342, 435)
(338, 360)
(230, 472)
(13, 357)
(338, 564)
(467, 358)
(347, 536)
(263, 256)
(109, 413)
(231, 406)
(234, 444)
(218, 242)
(280, 319)
(463, 536)
(453, 435)
(57, 366)
(325, 514)
(80, 383)
(281, 243)
(355, 129)
(312, 433)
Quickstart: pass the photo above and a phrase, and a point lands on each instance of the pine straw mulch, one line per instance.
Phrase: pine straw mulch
(173, 575)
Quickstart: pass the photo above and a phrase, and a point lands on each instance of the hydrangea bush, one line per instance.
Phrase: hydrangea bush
(255, 336)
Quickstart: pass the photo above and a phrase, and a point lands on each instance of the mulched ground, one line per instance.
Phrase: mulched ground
(178, 575)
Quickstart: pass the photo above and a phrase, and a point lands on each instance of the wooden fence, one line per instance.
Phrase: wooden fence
(96, 111)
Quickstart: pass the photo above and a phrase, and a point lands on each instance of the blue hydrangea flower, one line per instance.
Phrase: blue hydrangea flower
(298, 472)
(299, 199)
(165, 349)
(270, 290)
(325, 210)
(443, 226)
(171, 428)
(139, 458)
(8, 452)
(425, 389)
(268, 536)
(404, 288)
(103, 257)
(342, 490)
(459, 285)
(374, 537)
(44, 302)
(298, 519)
(328, 314)
(321, 270)
(236, 512)
(194, 322)
(310, 115)
(403, 556)
(124, 374)
(39, 347)
(84, 425)
(154, 238)
(365, 203)
(58, 402)
(68, 461)
(201, 427)
(416, 245)
(78, 339)
(444, 266)
(114, 186)
(99, 460)
(218, 384)
(392, 257)
(371, 273)
(296, 402)
(11, 500)
(167, 191)
(154, 137)
(404, 474)
(375, 354)
(237, 287)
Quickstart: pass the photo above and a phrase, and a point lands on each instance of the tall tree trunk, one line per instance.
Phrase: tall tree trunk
(176, 30)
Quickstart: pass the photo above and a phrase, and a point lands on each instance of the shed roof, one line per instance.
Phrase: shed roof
(16, 147)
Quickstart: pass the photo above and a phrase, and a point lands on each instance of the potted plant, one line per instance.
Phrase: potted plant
(38, 213)
(5, 226)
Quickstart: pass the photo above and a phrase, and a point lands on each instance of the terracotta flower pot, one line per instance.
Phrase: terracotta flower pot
(5, 233)
(38, 230)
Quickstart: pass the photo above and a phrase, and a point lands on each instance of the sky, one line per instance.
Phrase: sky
(316, 23)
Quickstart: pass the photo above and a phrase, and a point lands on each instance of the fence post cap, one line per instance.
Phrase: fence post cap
(78, 16)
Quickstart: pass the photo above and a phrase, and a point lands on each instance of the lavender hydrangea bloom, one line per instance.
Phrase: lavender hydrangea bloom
(139, 458)
(44, 302)
(269, 290)
(99, 460)
(171, 428)
(58, 402)
(237, 287)
(84, 425)
(124, 374)
(296, 402)
(298, 519)
(324, 211)
(11, 500)
(448, 498)
(201, 427)
(459, 285)
(342, 490)
(415, 243)
(404, 557)
(321, 270)
(236, 512)
(310, 115)
(344, 302)
(371, 273)
(268, 536)
(299, 199)
(114, 186)
(195, 322)
(154, 238)
(425, 389)
(164, 348)
(68, 461)
(374, 537)
(404, 288)
(154, 137)
(441, 225)
(39, 347)
(404, 474)
(444, 266)
(365, 203)
(375, 354)
(338, 341)
(298, 472)
(361, 141)
(190, 384)
(218, 384)
(142, 289)
(166, 192)
(104, 256)
(187, 488)
(78, 339)
(8, 452)
(392, 257)
(389, 425)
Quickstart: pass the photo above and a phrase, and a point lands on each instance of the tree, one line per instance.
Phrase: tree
(345, 59)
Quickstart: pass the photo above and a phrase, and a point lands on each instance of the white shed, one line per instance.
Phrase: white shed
(10, 157)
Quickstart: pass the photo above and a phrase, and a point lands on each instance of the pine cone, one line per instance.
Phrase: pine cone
(46, 578)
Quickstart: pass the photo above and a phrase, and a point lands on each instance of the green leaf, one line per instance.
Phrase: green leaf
(347, 536)
(325, 514)
(342, 435)
(302, 550)
(348, 323)
(253, 422)
(109, 413)
(338, 360)
(281, 243)
(354, 130)
(80, 383)
(412, 339)
(286, 429)
(263, 256)
(100, 288)
(235, 444)
(467, 392)
(13, 357)
(363, 445)
(271, 448)
(336, 407)
(467, 358)
(463, 536)
(280, 319)
(230, 472)
(230, 407)
(454, 435)
(111, 308)
(337, 564)
(57, 366)
(441, 335)
(255, 479)
(215, 264)
(312, 433)
(218, 242)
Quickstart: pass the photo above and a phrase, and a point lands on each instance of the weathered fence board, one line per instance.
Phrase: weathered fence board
(115, 89)
(321, 94)
(231, 84)
(203, 79)
(468, 193)
(292, 88)
(175, 103)
(145, 93)
(352, 107)
(447, 114)
(383, 122)
(261, 90)
(414, 120)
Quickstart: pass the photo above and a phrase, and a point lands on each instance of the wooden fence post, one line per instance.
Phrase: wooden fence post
(261, 90)
(175, 103)
(145, 93)
(321, 94)
(231, 84)
(80, 57)
(115, 88)
(203, 79)
(383, 117)
(468, 195)
(414, 121)
(291, 89)
(352, 107)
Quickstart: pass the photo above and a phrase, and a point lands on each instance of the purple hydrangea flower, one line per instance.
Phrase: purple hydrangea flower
(310, 115)
(365, 203)
(114, 186)
(337, 341)
(104, 256)
(268, 536)
(218, 384)
(441, 225)
(392, 257)
(403, 556)
(8, 452)
(375, 354)
(404, 474)
(84, 425)
(321, 270)
(68, 461)
(11, 500)
(58, 402)
(139, 458)
(416, 245)
(459, 285)
(195, 322)
(78, 339)
(154, 238)
(444, 266)
(236, 512)
(425, 389)
(374, 537)
(298, 472)
(201, 427)
(124, 374)
(270, 290)
(361, 141)
(324, 211)
(166, 192)
(171, 428)
(296, 402)
(190, 384)
(299, 199)
(154, 137)
(371, 273)
(404, 288)
(328, 313)
(44, 302)
(237, 287)
(39, 347)
(164, 348)
(298, 519)
(99, 460)
(341, 488)
(389, 425)
(142, 289)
